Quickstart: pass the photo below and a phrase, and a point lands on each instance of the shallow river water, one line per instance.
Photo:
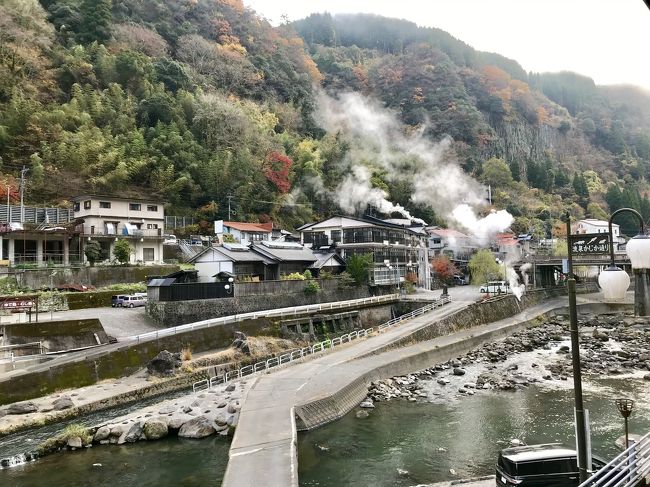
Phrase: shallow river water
(405, 444)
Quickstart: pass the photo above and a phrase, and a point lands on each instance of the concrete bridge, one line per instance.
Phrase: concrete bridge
(325, 388)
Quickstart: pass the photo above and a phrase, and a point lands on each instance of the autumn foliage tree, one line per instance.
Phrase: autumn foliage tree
(277, 169)
(443, 268)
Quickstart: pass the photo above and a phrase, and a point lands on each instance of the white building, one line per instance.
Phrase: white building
(107, 219)
(592, 225)
(243, 232)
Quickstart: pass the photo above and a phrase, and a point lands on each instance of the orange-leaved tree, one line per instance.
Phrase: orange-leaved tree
(443, 268)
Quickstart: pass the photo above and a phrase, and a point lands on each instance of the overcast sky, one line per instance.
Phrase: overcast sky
(607, 40)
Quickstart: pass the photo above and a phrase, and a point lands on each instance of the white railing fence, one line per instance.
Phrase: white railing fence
(628, 469)
(277, 313)
(298, 354)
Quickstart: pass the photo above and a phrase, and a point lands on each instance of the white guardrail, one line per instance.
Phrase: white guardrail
(297, 354)
(628, 469)
(280, 313)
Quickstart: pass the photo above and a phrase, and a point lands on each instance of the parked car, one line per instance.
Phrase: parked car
(547, 465)
(495, 287)
(459, 280)
(134, 301)
(170, 240)
(117, 300)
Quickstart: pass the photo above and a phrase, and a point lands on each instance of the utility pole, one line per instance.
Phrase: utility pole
(22, 192)
(229, 198)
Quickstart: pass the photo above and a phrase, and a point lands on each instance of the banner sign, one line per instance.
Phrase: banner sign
(18, 303)
(589, 244)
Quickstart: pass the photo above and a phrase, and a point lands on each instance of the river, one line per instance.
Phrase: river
(405, 444)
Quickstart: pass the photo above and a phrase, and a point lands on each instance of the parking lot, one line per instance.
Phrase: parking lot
(117, 322)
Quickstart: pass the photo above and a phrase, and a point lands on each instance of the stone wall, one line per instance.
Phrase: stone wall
(56, 335)
(174, 313)
(100, 364)
(89, 276)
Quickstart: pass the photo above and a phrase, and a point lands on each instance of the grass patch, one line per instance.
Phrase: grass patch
(61, 440)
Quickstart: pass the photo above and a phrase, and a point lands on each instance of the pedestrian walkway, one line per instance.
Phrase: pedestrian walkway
(263, 451)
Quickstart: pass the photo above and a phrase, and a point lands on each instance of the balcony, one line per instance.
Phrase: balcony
(120, 232)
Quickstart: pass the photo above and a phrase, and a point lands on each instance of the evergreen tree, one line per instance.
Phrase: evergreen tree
(96, 21)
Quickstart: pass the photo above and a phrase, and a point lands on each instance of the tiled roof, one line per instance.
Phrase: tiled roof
(250, 227)
(447, 233)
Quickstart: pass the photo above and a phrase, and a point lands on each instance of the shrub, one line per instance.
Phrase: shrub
(312, 287)
(307, 274)
(294, 276)
(122, 251)
(186, 353)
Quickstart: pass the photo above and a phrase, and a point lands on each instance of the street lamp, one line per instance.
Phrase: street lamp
(625, 407)
(614, 281)
(229, 287)
(581, 426)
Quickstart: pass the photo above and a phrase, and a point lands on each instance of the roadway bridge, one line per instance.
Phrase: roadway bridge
(545, 267)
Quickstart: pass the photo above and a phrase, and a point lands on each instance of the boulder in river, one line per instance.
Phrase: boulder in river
(164, 364)
(154, 429)
(198, 427)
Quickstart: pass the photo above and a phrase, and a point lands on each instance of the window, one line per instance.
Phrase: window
(135, 206)
(152, 207)
(152, 226)
(104, 204)
(148, 254)
(76, 206)
(336, 235)
(87, 205)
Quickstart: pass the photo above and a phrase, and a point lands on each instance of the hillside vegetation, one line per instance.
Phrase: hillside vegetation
(200, 101)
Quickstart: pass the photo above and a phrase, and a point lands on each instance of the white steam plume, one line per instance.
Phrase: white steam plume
(376, 136)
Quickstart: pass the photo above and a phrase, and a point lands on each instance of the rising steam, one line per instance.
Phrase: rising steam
(377, 139)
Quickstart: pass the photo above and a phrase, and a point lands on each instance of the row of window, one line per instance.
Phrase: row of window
(107, 204)
(359, 235)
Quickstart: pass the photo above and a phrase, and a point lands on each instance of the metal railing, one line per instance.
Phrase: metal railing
(628, 469)
(297, 354)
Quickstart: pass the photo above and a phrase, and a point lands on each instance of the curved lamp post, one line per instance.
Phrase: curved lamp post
(625, 407)
(614, 281)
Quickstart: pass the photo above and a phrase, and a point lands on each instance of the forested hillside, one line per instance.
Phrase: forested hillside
(199, 102)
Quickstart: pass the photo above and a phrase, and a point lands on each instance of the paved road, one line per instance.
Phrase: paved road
(118, 322)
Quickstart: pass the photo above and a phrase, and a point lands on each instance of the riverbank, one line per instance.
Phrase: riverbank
(611, 345)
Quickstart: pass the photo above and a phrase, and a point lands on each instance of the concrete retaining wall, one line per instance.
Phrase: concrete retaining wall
(56, 335)
(174, 313)
(104, 364)
(90, 276)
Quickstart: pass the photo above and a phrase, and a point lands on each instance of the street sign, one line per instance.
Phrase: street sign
(589, 244)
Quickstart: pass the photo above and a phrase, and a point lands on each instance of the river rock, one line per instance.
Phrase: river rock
(230, 387)
(170, 408)
(132, 434)
(154, 429)
(164, 364)
(75, 442)
(22, 408)
(196, 428)
(102, 433)
(459, 371)
(367, 403)
(646, 377)
(177, 421)
(362, 413)
(63, 403)
(233, 407)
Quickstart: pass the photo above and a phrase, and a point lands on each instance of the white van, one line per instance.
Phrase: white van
(495, 287)
(133, 301)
